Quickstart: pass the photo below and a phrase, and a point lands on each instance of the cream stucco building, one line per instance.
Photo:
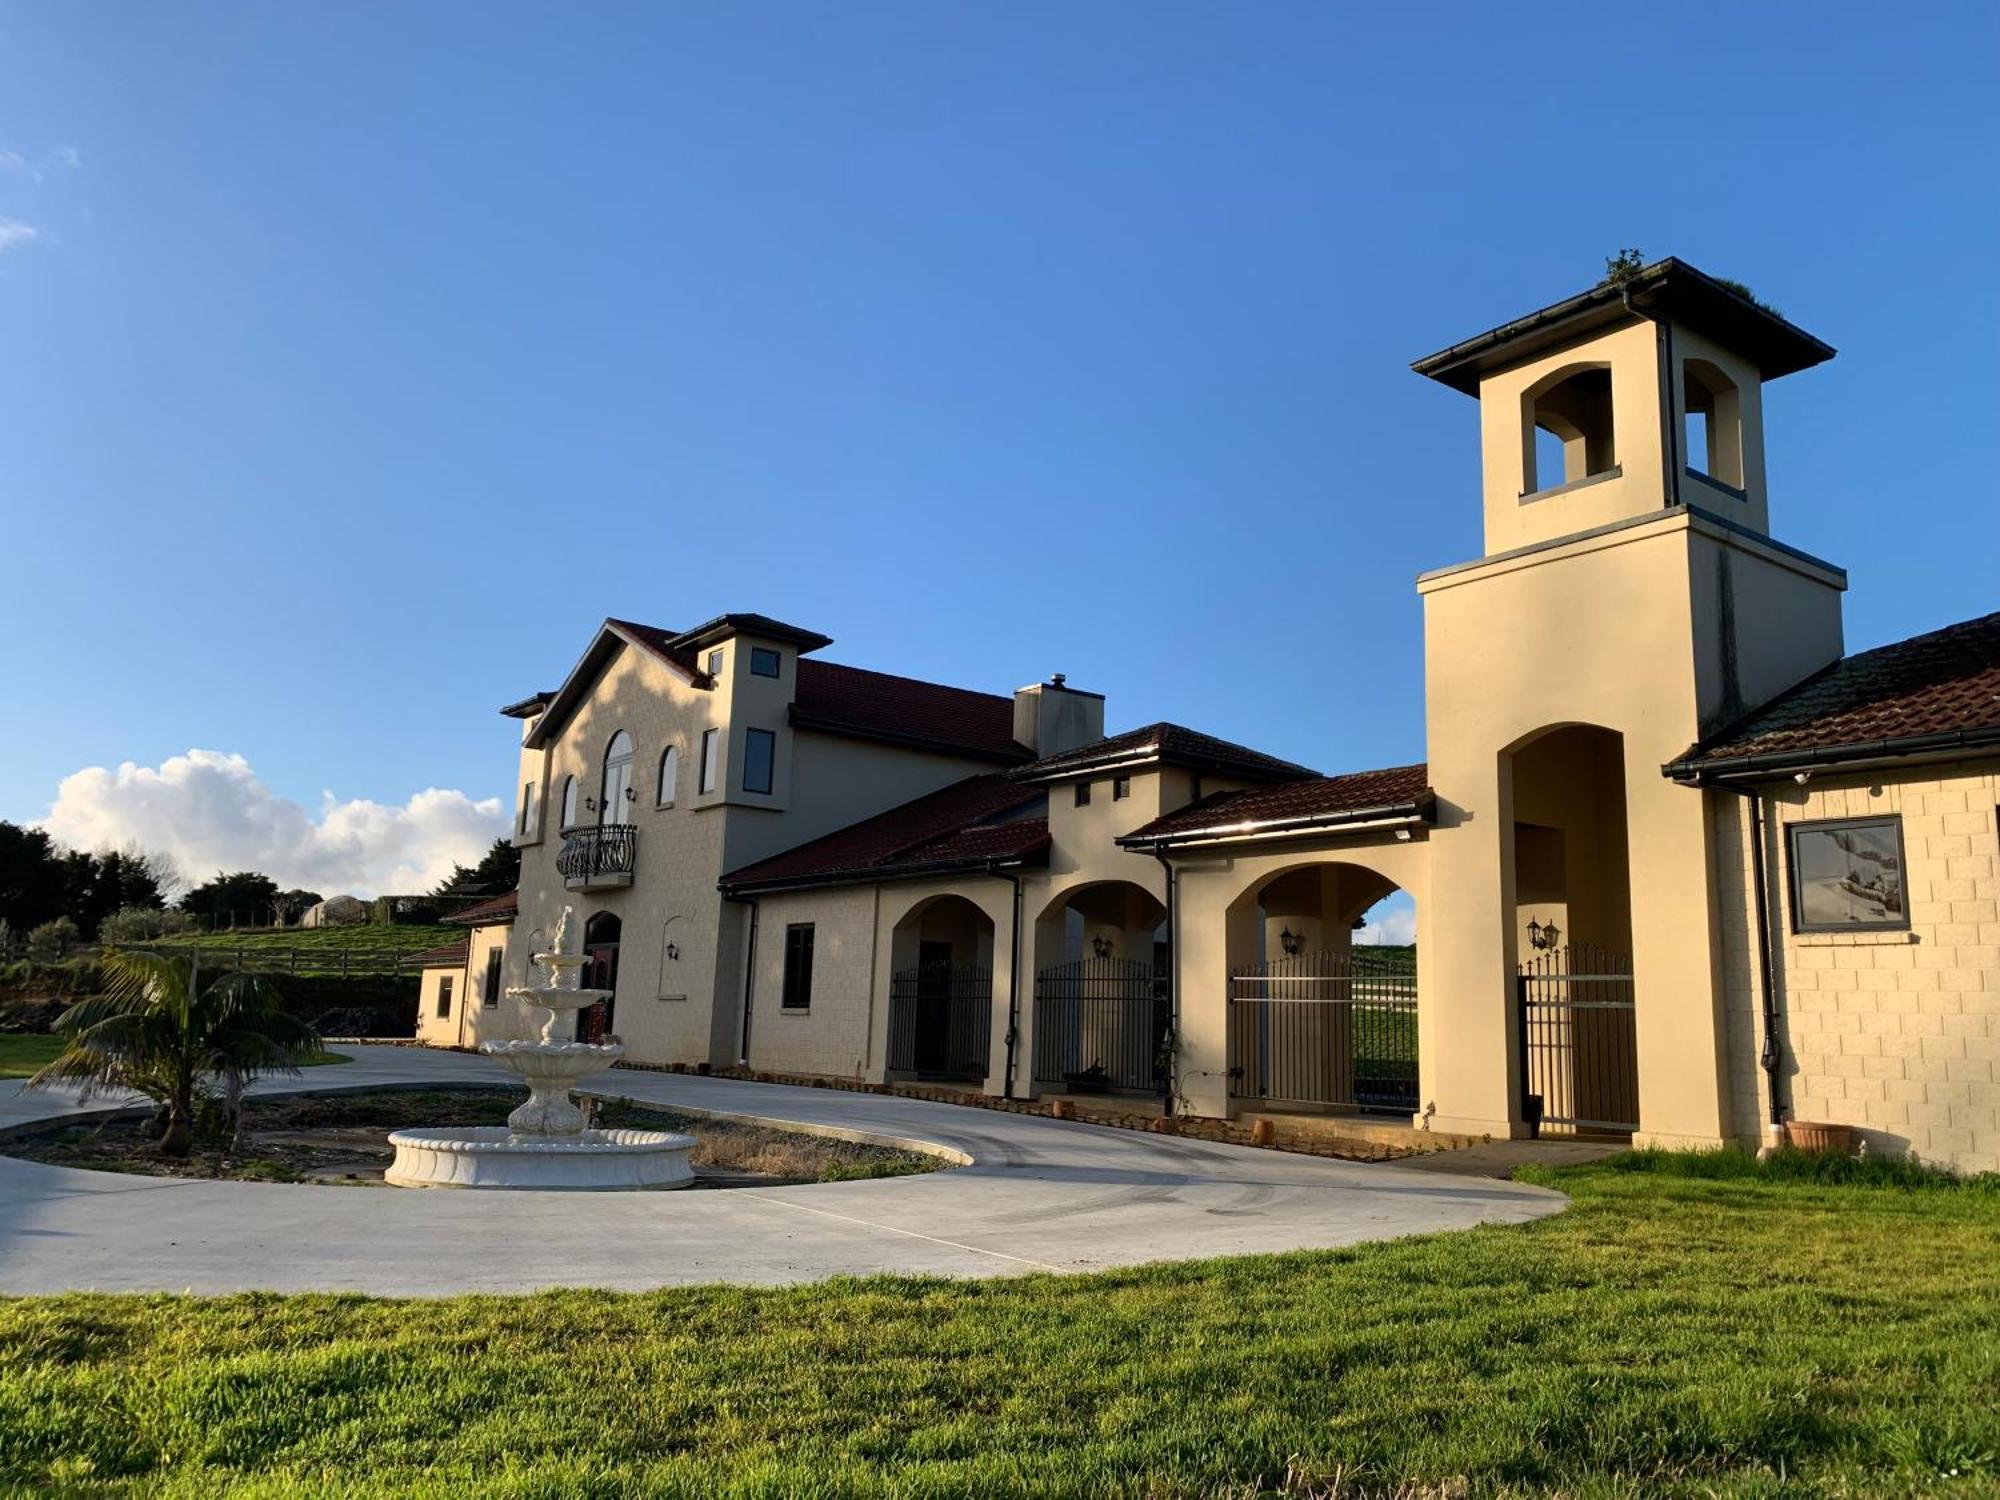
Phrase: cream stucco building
(1681, 869)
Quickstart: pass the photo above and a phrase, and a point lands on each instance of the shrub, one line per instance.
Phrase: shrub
(1825, 1168)
(142, 924)
(52, 940)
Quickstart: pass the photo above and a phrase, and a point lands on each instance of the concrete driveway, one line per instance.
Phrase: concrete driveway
(1039, 1195)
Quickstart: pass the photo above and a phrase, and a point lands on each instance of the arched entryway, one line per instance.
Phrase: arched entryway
(1318, 1020)
(941, 992)
(1575, 1034)
(1103, 1018)
(601, 935)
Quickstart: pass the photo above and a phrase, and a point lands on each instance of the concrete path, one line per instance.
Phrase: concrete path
(1040, 1195)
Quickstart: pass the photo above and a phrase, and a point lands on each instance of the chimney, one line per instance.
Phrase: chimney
(1051, 717)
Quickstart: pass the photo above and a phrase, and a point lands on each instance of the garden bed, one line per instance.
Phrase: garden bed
(344, 1139)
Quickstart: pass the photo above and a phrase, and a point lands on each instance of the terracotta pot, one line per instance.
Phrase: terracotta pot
(1820, 1135)
(1263, 1132)
(1062, 1109)
(1165, 1126)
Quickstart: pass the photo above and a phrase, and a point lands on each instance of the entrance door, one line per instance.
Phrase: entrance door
(933, 1050)
(600, 946)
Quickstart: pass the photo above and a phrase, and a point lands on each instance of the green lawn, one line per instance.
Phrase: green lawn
(24, 1053)
(1669, 1335)
(315, 950)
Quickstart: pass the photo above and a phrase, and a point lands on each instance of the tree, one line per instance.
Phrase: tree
(53, 940)
(243, 899)
(498, 872)
(141, 924)
(163, 1029)
(291, 905)
(34, 885)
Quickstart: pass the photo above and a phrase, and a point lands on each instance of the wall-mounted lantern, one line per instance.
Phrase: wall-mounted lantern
(673, 953)
(1101, 946)
(1292, 942)
(1543, 935)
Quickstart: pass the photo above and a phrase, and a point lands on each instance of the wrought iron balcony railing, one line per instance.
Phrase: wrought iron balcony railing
(598, 858)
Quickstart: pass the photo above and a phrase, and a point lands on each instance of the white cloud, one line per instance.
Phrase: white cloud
(1392, 922)
(210, 812)
(13, 161)
(13, 232)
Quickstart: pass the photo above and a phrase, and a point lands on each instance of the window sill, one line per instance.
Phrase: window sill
(1876, 937)
(795, 1010)
(1616, 471)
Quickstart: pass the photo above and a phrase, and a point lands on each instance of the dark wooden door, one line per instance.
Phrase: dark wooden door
(933, 1052)
(593, 1023)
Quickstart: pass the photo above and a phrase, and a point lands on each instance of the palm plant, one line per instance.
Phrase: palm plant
(161, 1029)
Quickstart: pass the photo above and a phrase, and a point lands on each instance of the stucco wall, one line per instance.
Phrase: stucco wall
(831, 1036)
(1895, 1032)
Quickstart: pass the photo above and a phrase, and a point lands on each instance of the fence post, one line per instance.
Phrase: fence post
(343, 963)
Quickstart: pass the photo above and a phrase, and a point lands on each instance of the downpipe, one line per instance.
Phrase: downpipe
(1013, 878)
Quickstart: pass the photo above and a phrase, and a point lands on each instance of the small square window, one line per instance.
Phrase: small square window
(760, 755)
(715, 662)
(1121, 788)
(1847, 876)
(1083, 794)
(764, 661)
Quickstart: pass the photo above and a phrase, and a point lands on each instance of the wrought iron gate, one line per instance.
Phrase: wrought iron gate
(1578, 1044)
(1102, 1024)
(1324, 1028)
(940, 1021)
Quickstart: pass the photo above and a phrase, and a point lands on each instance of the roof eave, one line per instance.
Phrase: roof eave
(1855, 755)
(1417, 811)
(932, 870)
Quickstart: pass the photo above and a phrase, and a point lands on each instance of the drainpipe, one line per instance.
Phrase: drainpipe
(1013, 878)
(1766, 970)
(749, 976)
(1173, 971)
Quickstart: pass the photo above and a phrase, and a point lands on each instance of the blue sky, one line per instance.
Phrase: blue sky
(359, 358)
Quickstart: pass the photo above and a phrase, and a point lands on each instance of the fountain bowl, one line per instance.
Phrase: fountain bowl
(493, 1156)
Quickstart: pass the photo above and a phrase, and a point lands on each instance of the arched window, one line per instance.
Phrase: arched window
(615, 803)
(568, 803)
(1714, 423)
(670, 775)
(1567, 429)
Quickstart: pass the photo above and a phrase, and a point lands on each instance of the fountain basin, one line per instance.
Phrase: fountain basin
(493, 1156)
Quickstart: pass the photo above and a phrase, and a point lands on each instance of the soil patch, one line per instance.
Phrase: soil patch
(344, 1138)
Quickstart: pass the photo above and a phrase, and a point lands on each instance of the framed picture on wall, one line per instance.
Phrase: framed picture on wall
(1847, 876)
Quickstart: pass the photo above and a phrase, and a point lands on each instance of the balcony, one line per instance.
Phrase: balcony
(598, 859)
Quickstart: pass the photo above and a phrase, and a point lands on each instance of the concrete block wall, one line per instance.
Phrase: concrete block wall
(1897, 1033)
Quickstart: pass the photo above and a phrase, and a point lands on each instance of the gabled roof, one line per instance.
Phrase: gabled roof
(971, 824)
(1668, 288)
(1931, 695)
(901, 710)
(487, 913)
(1163, 744)
(449, 956)
(612, 637)
(1294, 807)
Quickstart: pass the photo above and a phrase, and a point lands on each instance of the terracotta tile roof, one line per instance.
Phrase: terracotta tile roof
(1927, 693)
(1172, 744)
(724, 626)
(1267, 808)
(875, 705)
(487, 913)
(967, 823)
(450, 956)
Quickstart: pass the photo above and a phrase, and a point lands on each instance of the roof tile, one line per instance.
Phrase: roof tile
(1174, 744)
(1310, 797)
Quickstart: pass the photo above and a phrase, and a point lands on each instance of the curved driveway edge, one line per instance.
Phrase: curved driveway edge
(1039, 1195)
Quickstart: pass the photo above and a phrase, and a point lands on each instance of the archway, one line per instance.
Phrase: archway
(1317, 1020)
(1103, 1014)
(601, 937)
(1577, 1067)
(941, 991)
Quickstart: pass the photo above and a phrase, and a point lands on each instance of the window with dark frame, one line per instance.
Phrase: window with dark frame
(1121, 788)
(715, 662)
(798, 966)
(444, 997)
(1194, 789)
(764, 662)
(1083, 794)
(490, 998)
(706, 780)
(527, 808)
(760, 757)
(1847, 875)
(670, 775)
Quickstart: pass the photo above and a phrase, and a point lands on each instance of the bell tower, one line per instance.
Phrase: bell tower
(1630, 601)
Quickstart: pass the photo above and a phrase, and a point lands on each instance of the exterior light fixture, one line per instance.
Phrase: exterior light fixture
(1543, 935)
(673, 953)
(1292, 942)
(1101, 946)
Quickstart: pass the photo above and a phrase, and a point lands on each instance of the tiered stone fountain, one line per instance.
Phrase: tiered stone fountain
(544, 1143)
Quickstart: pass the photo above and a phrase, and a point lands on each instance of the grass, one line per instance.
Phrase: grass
(382, 938)
(23, 1053)
(1706, 1328)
